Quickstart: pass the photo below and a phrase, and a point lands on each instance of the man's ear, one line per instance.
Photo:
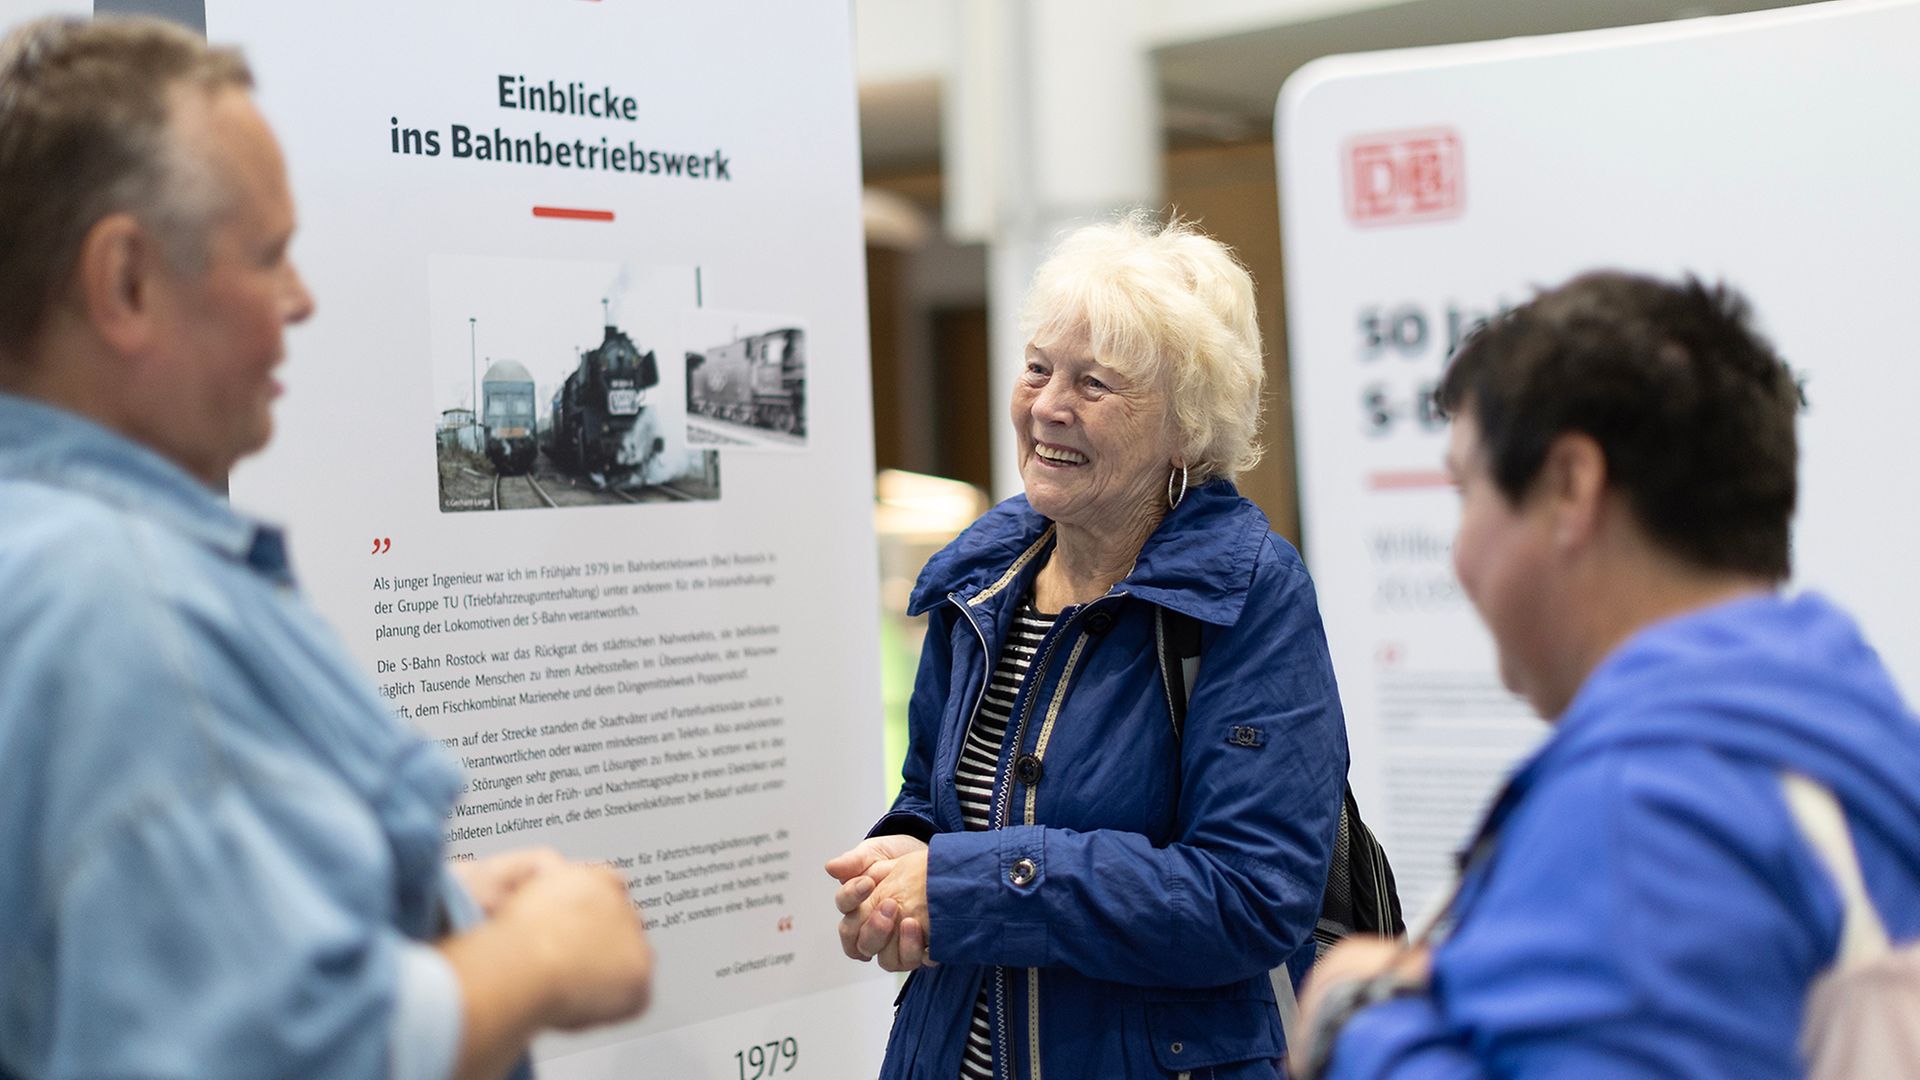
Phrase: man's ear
(1574, 481)
(117, 278)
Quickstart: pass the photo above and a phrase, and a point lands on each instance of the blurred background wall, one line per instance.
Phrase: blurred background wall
(987, 126)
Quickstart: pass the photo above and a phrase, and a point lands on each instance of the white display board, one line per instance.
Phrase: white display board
(637, 599)
(15, 12)
(1423, 189)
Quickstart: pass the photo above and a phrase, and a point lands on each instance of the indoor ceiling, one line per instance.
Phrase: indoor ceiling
(1223, 89)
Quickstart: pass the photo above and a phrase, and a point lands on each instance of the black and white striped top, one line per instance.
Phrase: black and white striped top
(979, 763)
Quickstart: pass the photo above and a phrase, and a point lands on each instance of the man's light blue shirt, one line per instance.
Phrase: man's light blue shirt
(220, 855)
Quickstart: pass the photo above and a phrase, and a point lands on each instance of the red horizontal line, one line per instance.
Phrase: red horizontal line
(572, 214)
(1390, 481)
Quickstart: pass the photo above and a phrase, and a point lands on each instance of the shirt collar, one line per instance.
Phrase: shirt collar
(69, 451)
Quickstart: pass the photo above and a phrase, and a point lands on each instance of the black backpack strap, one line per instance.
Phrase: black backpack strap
(1176, 637)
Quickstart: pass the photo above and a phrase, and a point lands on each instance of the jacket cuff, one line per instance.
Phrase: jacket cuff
(904, 824)
(986, 899)
(425, 1038)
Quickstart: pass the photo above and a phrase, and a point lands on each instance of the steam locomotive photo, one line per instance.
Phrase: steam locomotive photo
(595, 408)
(506, 410)
(759, 380)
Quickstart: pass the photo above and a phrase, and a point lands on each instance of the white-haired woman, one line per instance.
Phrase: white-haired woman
(1104, 887)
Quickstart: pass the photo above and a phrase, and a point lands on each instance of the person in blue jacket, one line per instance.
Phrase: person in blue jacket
(1105, 895)
(1638, 902)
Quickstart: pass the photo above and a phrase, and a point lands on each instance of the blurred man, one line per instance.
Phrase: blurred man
(1639, 901)
(222, 858)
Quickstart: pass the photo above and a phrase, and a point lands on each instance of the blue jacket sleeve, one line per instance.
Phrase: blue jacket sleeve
(1615, 935)
(912, 810)
(1240, 887)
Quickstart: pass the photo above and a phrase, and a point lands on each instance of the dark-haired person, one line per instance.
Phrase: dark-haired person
(220, 855)
(1639, 901)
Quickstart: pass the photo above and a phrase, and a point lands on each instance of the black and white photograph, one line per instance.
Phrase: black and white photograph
(746, 380)
(548, 385)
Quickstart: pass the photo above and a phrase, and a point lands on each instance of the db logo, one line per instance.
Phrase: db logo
(1404, 176)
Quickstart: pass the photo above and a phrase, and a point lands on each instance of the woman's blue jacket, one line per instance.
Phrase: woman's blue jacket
(1139, 883)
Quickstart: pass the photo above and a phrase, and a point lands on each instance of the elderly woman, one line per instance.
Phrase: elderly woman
(1105, 889)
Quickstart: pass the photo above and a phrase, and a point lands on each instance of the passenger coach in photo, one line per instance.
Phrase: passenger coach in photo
(507, 398)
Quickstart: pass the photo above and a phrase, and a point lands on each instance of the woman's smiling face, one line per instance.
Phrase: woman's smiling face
(1094, 445)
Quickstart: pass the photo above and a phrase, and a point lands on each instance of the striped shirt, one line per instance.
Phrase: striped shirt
(979, 767)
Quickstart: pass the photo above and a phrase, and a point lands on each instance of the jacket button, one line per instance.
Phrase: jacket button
(1022, 872)
(1178, 1048)
(1028, 770)
(1100, 622)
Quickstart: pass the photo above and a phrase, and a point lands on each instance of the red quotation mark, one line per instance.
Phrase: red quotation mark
(382, 545)
(786, 923)
(1405, 177)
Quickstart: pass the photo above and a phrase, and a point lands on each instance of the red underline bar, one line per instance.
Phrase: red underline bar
(572, 214)
(1396, 481)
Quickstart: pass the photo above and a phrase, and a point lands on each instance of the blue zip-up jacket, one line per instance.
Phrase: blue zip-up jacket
(1648, 908)
(1133, 896)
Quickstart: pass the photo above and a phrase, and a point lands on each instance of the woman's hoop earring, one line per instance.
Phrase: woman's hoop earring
(1174, 500)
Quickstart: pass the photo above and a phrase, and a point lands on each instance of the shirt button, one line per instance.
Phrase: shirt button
(1028, 770)
(1099, 622)
(1022, 872)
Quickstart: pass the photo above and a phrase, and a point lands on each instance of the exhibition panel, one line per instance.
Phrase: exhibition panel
(609, 258)
(1423, 191)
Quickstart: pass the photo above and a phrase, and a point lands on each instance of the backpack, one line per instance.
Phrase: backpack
(1862, 1017)
(1360, 896)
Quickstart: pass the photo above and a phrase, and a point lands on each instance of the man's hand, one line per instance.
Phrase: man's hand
(583, 936)
(491, 880)
(1357, 959)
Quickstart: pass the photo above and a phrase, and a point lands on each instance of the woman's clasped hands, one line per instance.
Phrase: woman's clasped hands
(882, 901)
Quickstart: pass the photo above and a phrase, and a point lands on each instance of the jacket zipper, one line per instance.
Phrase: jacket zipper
(1053, 713)
(1006, 796)
(980, 694)
(1039, 754)
(1017, 734)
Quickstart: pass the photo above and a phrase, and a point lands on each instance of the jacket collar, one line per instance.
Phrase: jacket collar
(1199, 561)
(68, 451)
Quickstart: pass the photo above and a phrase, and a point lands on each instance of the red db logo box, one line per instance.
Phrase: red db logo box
(1404, 176)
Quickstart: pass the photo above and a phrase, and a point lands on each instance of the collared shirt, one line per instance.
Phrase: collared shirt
(220, 855)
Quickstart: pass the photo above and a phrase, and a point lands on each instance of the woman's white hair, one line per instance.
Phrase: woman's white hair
(1168, 304)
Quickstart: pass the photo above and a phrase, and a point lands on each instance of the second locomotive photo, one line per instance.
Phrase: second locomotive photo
(749, 387)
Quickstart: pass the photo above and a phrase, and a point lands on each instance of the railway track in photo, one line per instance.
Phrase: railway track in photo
(521, 492)
(672, 493)
(549, 486)
(705, 430)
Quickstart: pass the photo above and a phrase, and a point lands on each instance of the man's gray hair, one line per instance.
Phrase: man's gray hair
(84, 111)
